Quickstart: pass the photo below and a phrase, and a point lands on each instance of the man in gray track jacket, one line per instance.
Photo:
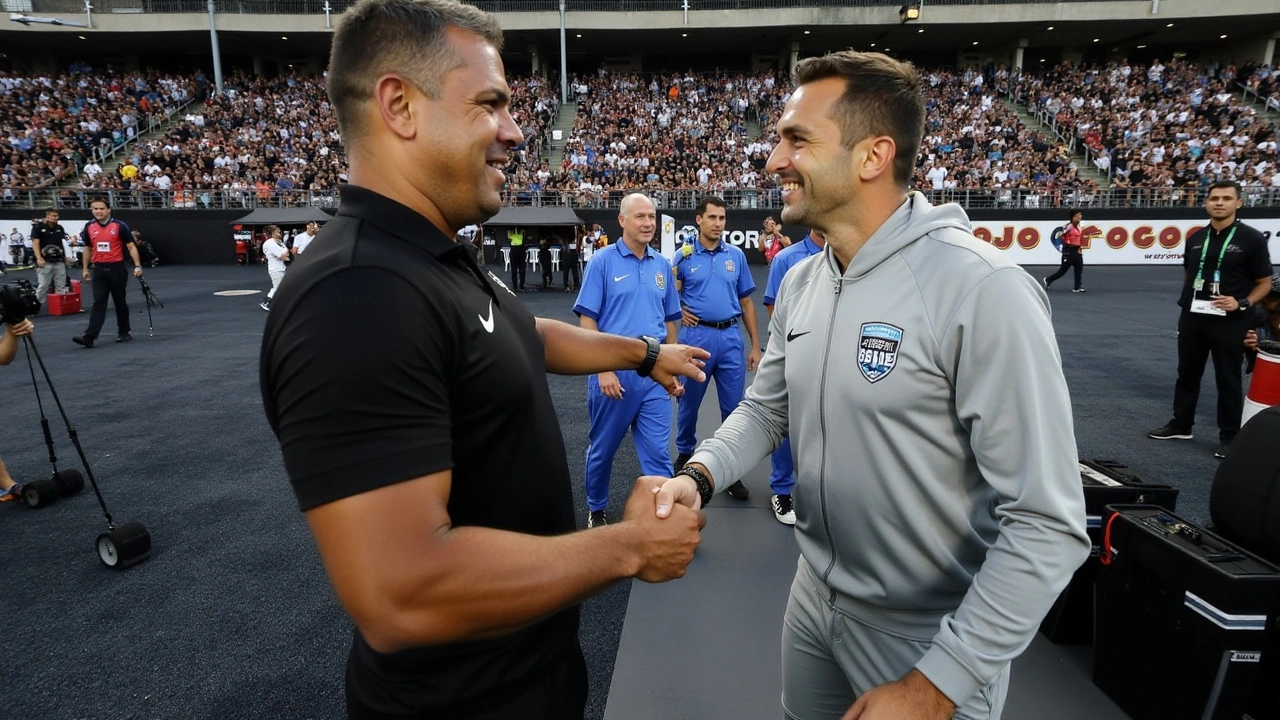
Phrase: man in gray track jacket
(938, 497)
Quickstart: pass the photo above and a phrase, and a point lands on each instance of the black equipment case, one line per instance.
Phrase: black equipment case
(1181, 617)
(1106, 482)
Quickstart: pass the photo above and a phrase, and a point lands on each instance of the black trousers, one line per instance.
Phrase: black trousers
(570, 268)
(1071, 258)
(558, 693)
(109, 280)
(1199, 337)
(517, 267)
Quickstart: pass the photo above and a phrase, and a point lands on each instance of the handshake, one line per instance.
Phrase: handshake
(665, 520)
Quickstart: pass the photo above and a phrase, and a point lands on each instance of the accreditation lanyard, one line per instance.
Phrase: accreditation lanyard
(1198, 285)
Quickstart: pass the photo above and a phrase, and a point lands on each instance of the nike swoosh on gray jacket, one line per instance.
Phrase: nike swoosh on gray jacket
(936, 464)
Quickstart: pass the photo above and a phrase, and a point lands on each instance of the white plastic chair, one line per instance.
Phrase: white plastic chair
(555, 259)
(531, 256)
(506, 258)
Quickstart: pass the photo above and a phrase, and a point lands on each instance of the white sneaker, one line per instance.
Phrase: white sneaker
(784, 509)
(265, 306)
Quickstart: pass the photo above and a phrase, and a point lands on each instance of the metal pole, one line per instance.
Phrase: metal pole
(88, 14)
(686, 12)
(217, 54)
(564, 60)
(328, 21)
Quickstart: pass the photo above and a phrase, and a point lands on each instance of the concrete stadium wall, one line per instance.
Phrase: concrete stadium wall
(885, 15)
(194, 237)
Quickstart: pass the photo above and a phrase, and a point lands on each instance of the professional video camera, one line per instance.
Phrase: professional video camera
(18, 300)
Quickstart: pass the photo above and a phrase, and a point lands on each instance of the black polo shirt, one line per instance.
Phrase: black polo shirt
(1246, 261)
(390, 355)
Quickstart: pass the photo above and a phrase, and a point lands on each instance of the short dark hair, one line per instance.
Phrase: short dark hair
(1074, 212)
(377, 37)
(100, 199)
(1220, 184)
(709, 200)
(882, 96)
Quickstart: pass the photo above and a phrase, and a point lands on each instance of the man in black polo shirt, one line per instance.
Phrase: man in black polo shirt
(407, 388)
(1227, 268)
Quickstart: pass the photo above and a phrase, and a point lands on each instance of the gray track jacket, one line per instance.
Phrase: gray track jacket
(936, 465)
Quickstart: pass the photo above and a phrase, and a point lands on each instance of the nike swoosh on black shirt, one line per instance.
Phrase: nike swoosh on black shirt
(793, 335)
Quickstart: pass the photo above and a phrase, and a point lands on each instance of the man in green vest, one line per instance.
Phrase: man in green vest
(515, 237)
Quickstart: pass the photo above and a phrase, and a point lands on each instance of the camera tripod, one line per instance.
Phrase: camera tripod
(152, 301)
(122, 545)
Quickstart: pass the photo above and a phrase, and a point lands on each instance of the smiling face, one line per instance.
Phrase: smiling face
(814, 169)
(638, 220)
(464, 136)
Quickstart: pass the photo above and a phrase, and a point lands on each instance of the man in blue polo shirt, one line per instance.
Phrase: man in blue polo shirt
(783, 476)
(713, 280)
(627, 289)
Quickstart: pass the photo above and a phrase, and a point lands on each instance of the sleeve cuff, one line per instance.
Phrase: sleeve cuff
(948, 674)
(579, 309)
(676, 316)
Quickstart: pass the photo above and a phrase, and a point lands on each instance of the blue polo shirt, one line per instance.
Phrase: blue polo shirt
(629, 295)
(713, 281)
(786, 259)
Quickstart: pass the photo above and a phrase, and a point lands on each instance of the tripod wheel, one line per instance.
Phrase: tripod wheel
(129, 544)
(40, 493)
(68, 482)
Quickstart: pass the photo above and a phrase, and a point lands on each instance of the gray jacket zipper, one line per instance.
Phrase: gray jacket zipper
(822, 425)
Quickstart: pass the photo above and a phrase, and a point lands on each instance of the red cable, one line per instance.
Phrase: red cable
(1105, 557)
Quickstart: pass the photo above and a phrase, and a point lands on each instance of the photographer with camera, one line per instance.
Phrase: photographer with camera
(47, 240)
(106, 240)
(9, 489)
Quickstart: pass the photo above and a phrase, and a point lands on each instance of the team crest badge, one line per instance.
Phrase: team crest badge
(501, 284)
(728, 265)
(660, 280)
(878, 350)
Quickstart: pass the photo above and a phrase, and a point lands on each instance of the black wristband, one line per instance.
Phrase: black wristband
(650, 357)
(705, 490)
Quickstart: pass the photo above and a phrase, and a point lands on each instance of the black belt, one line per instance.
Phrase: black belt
(722, 325)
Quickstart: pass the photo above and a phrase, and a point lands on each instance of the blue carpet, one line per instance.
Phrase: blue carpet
(232, 617)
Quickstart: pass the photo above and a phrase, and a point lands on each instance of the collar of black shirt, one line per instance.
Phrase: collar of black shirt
(408, 225)
(395, 218)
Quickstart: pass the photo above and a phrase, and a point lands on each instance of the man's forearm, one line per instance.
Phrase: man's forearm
(585, 350)
(673, 331)
(8, 346)
(133, 254)
(743, 440)
(479, 582)
(749, 319)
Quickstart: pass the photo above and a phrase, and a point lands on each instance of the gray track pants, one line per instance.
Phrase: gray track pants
(833, 652)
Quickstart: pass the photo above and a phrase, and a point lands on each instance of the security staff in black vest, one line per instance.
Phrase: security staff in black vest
(1227, 269)
(47, 240)
(420, 439)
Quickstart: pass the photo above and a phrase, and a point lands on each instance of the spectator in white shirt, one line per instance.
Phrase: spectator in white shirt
(277, 256)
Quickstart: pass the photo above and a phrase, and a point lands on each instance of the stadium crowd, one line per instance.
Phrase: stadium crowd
(1170, 129)
(1166, 130)
(974, 141)
(54, 126)
(668, 131)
